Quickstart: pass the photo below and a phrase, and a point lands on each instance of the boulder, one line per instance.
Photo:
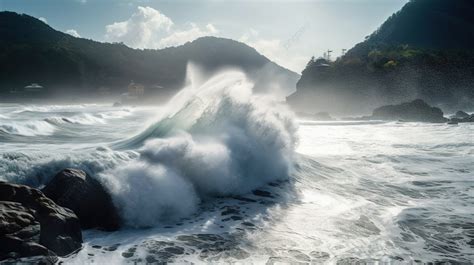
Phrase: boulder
(74, 189)
(33, 225)
(416, 110)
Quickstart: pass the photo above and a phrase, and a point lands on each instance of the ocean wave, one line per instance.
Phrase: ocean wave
(84, 119)
(89, 118)
(214, 139)
(115, 114)
(37, 168)
(29, 128)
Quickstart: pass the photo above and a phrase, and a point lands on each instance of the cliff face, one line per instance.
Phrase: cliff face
(33, 52)
(426, 50)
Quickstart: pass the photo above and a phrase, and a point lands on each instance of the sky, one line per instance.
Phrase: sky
(287, 32)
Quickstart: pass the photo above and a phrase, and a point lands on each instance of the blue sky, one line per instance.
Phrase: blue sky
(288, 32)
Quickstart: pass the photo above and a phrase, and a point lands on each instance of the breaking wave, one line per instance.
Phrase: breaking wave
(29, 128)
(213, 139)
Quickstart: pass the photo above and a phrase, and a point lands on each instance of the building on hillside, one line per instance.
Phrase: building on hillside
(33, 88)
(135, 94)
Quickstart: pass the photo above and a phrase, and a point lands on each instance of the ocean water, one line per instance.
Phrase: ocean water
(219, 175)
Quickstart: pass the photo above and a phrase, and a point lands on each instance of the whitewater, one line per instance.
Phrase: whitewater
(220, 175)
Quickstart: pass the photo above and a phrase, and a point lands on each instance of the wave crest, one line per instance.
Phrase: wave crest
(214, 139)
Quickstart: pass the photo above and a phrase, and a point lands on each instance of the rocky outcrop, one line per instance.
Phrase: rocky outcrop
(32, 225)
(416, 110)
(460, 115)
(74, 189)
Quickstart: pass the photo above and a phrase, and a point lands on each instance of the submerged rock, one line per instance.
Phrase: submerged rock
(74, 189)
(32, 225)
(416, 110)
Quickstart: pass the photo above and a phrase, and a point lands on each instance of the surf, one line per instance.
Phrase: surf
(214, 138)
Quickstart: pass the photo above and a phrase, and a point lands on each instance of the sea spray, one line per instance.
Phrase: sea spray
(214, 139)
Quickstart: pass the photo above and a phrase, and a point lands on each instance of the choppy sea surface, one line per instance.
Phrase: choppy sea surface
(222, 176)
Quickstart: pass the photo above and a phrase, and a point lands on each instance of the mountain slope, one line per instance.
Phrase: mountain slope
(33, 52)
(426, 50)
(427, 24)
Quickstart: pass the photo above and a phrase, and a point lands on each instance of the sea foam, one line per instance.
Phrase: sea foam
(215, 138)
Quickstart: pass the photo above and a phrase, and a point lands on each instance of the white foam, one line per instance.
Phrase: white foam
(215, 139)
(29, 128)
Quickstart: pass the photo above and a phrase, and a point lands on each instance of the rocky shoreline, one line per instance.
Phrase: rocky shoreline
(42, 225)
(413, 111)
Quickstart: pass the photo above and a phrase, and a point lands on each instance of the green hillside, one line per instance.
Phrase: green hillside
(426, 50)
(33, 52)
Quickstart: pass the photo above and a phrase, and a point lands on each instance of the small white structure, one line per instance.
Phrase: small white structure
(34, 87)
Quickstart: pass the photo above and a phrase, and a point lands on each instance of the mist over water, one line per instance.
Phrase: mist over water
(182, 176)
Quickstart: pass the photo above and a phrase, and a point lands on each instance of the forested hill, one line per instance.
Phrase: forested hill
(426, 50)
(426, 24)
(33, 52)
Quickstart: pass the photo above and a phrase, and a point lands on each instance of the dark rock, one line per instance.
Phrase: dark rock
(469, 118)
(129, 253)
(236, 218)
(112, 248)
(262, 193)
(228, 210)
(175, 250)
(33, 225)
(460, 115)
(74, 189)
(417, 110)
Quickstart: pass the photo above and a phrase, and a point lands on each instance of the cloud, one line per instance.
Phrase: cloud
(141, 30)
(149, 28)
(73, 32)
(194, 32)
(43, 19)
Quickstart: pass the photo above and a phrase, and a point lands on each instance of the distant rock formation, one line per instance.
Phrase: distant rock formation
(426, 50)
(85, 196)
(32, 225)
(460, 115)
(416, 110)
